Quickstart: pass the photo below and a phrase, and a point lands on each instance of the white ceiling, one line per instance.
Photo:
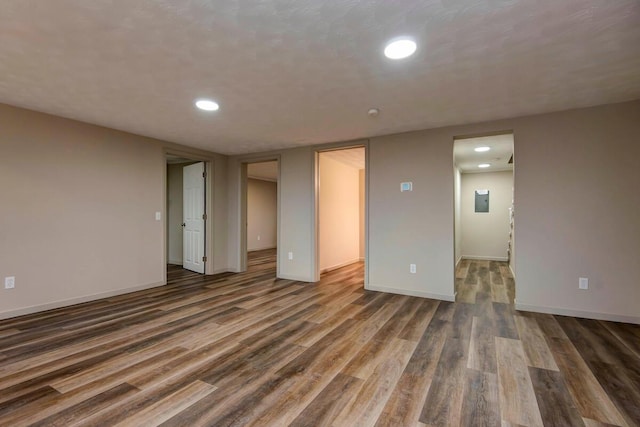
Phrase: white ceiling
(289, 73)
(467, 159)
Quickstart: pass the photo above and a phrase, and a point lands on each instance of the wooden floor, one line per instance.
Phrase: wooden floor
(248, 349)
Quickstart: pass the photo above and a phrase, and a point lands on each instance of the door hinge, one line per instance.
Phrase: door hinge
(204, 216)
(204, 259)
(204, 174)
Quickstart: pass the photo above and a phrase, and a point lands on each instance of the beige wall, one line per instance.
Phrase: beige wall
(297, 215)
(362, 212)
(262, 212)
(78, 204)
(457, 221)
(411, 227)
(174, 214)
(486, 235)
(576, 204)
(78, 210)
(339, 214)
(576, 210)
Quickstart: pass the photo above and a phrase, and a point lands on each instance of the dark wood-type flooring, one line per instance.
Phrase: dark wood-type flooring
(247, 349)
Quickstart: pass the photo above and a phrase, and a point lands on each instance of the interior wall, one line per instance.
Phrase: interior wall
(485, 235)
(174, 214)
(262, 214)
(339, 214)
(457, 222)
(575, 197)
(78, 211)
(576, 202)
(297, 215)
(362, 210)
(412, 227)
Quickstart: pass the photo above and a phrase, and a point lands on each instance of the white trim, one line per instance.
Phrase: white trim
(73, 301)
(410, 292)
(261, 249)
(458, 261)
(512, 272)
(485, 258)
(578, 313)
(262, 178)
(296, 278)
(342, 264)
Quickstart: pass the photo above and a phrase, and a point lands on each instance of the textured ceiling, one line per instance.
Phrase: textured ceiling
(289, 73)
(467, 159)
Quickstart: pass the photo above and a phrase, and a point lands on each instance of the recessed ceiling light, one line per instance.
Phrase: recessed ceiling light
(400, 48)
(484, 165)
(482, 149)
(207, 105)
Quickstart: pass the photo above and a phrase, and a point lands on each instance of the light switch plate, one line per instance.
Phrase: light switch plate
(583, 283)
(158, 216)
(9, 282)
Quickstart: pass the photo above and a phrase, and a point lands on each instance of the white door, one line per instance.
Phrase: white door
(193, 217)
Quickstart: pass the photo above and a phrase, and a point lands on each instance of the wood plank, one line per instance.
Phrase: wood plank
(329, 403)
(368, 403)
(481, 404)
(407, 400)
(169, 406)
(591, 399)
(482, 348)
(444, 400)
(536, 350)
(517, 398)
(557, 408)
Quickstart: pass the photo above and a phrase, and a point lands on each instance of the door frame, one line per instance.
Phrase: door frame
(209, 267)
(469, 136)
(244, 188)
(316, 203)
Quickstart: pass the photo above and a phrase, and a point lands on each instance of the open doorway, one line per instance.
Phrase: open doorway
(261, 233)
(186, 214)
(341, 239)
(484, 218)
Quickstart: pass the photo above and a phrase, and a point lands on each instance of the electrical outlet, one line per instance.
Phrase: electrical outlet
(258, 237)
(412, 268)
(290, 256)
(583, 283)
(9, 282)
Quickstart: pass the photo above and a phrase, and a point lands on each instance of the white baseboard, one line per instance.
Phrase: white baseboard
(261, 248)
(337, 266)
(458, 261)
(410, 292)
(513, 273)
(73, 301)
(296, 278)
(578, 313)
(485, 258)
